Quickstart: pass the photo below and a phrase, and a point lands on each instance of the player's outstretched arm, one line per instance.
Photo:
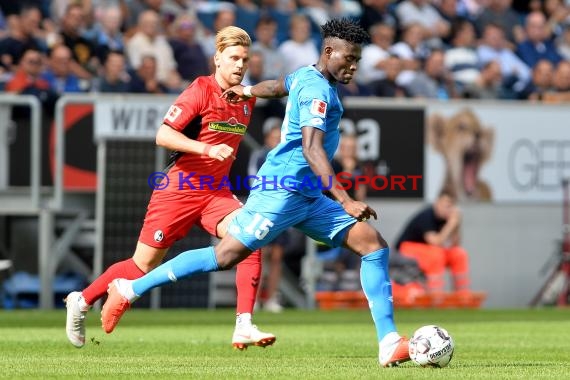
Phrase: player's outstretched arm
(272, 88)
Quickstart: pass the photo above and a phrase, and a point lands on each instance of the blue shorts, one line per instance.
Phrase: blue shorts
(267, 213)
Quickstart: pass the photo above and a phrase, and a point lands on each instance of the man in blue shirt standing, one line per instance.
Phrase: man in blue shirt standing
(288, 192)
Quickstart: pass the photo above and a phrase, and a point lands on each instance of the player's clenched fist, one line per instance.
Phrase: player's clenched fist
(235, 94)
(219, 152)
(359, 210)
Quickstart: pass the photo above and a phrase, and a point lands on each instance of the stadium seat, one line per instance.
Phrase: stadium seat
(22, 290)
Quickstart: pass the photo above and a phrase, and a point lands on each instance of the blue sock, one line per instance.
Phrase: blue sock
(378, 289)
(185, 264)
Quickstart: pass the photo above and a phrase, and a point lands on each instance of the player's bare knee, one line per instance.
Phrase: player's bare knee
(364, 239)
(147, 258)
(373, 242)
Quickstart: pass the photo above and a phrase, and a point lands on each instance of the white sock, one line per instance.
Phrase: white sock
(83, 306)
(243, 320)
(389, 340)
(125, 288)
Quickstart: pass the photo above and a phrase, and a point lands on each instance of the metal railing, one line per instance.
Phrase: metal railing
(35, 150)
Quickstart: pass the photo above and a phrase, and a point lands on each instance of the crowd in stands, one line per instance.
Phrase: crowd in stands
(440, 49)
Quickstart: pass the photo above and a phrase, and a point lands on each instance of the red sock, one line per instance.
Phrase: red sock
(247, 282)
(123, 269)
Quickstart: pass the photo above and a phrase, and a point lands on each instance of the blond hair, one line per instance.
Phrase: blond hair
(232, 36)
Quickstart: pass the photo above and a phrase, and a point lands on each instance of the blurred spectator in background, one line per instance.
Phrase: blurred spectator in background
(500, 14)
(494, 47)
(273, 252)
(353, 88)
(432, 237)
(3, 26)
(27, 79)
(271, 136)
(114, 78)
(280, 11)
(255, 74)
(145, 78)
(133, 10)
(541, 83)
(59, 73)
(422, 13)
(563, 42)
(247, 15)
(28, 72)
(85, 62)
(372, 64)
(411, 50)
(108, 35)
(471, 9)
(191, 61)
(388, 87)
(271, 7)
(378, 12)
(58, 8)
(538, 44)
(266, 44)
(434, 81)
(317, 10)
(300, 50)
(11, 8)
(560, 83)
(21, 37)
(488, 85)
(225, 16)
(561, 80)
(174, 8)
(449, 11)
(461, 57)
(557, 13)
(150, 40)
(255, 69)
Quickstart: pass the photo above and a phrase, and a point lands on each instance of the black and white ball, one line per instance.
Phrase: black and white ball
(431, 346)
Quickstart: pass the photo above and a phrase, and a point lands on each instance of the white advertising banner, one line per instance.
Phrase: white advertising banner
(497, 152)
(129, 117)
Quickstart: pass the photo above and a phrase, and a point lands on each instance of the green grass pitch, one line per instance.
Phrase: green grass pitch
(195, 344)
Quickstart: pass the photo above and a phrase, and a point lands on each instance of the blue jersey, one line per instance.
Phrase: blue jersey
(313, 103)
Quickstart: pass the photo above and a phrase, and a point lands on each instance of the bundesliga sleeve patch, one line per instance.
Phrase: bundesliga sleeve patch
(173, 113)
(318, 108)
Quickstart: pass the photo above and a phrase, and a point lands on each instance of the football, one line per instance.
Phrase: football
(431, 346)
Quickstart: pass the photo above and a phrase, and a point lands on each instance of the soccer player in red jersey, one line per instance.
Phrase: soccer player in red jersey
(197, 188)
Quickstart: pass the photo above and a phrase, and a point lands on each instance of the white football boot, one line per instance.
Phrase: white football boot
(249, 335)
(75, 323)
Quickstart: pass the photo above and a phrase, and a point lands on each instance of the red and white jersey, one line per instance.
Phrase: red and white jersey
(202, 115)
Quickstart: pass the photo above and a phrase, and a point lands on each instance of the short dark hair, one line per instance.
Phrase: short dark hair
(345, 29)
(448, 191)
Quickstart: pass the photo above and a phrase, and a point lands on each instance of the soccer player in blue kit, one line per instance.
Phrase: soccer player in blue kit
(288, 192)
